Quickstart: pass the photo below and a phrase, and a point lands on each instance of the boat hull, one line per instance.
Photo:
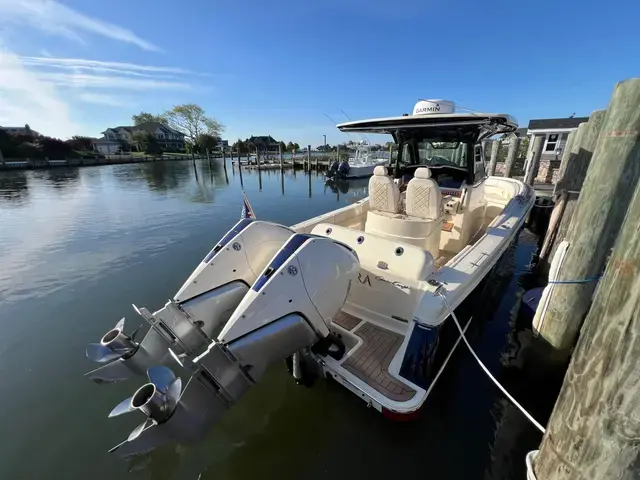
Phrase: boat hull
(362, 171)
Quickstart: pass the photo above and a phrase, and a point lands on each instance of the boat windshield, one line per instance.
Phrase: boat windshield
(451, 154)
(435, 152)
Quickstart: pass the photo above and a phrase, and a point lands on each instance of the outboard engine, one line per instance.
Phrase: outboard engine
(288, 308)
(203, 304)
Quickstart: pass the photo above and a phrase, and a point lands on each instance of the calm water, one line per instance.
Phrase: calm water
(78, 246)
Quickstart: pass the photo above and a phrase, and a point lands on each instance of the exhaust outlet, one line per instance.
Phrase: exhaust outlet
(116, 340)
(153, 403)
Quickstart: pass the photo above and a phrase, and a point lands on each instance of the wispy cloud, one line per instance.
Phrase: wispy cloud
(111, 82)
(41, 90)
(106, 99)
(83, 64)
(54, 18)
(87, 74)
(29, 99)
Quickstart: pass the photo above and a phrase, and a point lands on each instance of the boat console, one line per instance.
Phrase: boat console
(416, 220)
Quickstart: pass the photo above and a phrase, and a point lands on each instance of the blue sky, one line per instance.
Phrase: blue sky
(276, 67)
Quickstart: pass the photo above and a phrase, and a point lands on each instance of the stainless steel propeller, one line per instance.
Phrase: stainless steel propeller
(114, 344)
(157, 400)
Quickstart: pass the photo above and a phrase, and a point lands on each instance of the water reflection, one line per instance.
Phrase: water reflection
(61, 178)
(14, 188)
(196, 180)
(166, 176)
(357, 187)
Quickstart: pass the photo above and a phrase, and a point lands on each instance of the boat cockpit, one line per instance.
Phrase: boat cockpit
(433, 195)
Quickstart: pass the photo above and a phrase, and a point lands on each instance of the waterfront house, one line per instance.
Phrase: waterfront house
(555, 132)
(170, 140)
(263, 143)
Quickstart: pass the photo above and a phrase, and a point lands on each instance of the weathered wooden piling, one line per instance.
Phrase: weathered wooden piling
(573, 170)
(281, 157)
(611, 179)
(594, 428)
(533, 162)
(512, 155)
(240, 170)
(495, 149)
(485, 148)
(308, 158)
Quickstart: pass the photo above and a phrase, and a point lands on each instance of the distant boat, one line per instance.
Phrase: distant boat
(362, 164)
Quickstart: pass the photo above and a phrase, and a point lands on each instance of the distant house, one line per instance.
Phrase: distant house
(115, 138)
(555, 132)
(16, 131)
(105, 146)
(263, 143)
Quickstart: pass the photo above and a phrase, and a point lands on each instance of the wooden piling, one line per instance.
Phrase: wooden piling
(485, 148)
(281, 157)
(610, 181)
(533, 162)
(565, 157)
(495, 149)
(240, 169)
(594, 428)
(512, 155)
(308, 158)
(575, 163)
(573, 168)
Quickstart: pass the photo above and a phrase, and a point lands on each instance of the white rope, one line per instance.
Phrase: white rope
(486, 370)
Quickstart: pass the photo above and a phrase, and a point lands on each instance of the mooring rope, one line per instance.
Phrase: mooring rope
(486, 370)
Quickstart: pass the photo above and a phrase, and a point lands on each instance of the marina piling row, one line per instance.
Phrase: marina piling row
(593, 430)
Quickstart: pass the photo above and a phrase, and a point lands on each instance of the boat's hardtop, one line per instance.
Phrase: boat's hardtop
(499, 122)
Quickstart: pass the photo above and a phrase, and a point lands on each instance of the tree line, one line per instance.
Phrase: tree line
(31, 145)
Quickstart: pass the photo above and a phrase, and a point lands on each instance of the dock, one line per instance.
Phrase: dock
(587, 320)
(31, 164)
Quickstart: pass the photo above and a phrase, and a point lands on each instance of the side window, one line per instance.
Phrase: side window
(478, 161)
(552, 142)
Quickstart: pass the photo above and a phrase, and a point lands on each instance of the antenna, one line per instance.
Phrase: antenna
(364, 137)
(335, 123)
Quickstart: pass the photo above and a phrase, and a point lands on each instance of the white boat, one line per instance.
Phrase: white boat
(360, 295)
(364, 162)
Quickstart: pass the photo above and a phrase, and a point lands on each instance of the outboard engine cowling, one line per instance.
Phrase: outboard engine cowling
(288, 308)
(202, 305)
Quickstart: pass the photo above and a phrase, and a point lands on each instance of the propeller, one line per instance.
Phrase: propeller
(157, 400)
(113, 345)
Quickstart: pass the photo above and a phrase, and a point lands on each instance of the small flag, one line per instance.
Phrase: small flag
(247, 211)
